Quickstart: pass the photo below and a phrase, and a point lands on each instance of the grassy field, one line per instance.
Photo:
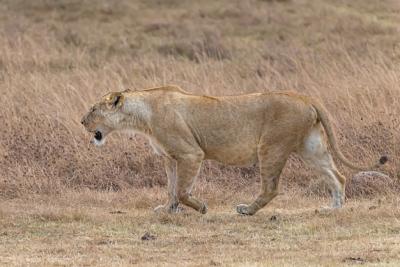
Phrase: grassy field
(59, 195)
(120, 229)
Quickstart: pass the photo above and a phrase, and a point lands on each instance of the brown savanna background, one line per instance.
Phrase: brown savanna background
(64, 202)
(59, 57)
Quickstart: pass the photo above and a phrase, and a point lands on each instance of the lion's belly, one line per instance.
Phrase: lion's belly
(234, 145)
(236, 156)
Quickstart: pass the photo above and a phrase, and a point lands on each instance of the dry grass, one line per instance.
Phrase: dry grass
(52, 69)
(58, 57)
(109, 229)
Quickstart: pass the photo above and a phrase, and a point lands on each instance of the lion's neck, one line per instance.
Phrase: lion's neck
(138, 116)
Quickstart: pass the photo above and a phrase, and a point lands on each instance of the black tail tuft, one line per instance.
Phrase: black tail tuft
(383, 160)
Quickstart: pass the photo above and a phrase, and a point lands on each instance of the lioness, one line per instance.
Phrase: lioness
(185, 129)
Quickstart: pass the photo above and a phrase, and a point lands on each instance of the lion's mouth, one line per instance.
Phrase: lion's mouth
(98, 138)
(98, 135)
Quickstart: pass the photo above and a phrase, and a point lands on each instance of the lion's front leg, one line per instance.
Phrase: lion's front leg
(188, 167)
(172, 204)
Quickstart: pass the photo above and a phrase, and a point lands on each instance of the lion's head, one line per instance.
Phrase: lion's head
(104, 117)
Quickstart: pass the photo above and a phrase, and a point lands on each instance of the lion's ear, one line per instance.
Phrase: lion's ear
(115, 100)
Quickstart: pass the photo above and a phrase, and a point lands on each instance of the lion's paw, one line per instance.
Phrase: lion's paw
(168, 209)
(203, 209)
(243, 209)
(159, 209)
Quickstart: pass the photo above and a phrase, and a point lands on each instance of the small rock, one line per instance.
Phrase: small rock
(106, 242)
(117, 212)
(354, 260)
(369, 183)
(213, 263)
(147, 236)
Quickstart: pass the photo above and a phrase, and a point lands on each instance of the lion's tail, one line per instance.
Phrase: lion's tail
(324, 119)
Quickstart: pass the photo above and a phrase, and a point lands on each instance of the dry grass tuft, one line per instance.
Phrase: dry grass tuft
(59, 216)
(208, 45)
(369, 184)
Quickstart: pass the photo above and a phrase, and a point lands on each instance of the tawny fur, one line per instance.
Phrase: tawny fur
(242, 130)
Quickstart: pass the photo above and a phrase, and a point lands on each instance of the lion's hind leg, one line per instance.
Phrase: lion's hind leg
(272, 159)
(316, 154)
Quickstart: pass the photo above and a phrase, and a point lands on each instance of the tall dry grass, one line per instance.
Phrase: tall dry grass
(59, 57)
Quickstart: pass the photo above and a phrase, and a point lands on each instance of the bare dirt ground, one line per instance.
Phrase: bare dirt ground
(66, 203)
